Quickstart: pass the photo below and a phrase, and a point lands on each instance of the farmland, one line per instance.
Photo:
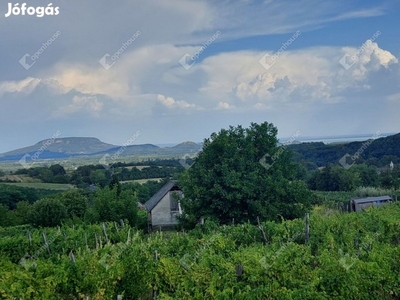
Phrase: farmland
(347, 254)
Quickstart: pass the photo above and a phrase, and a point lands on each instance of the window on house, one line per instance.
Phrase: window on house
(175, 196)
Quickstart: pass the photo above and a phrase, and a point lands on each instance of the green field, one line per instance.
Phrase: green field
(141, 181)
(41, 185)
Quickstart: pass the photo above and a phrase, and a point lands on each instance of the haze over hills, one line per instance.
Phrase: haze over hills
(86, 147)
(89, 146)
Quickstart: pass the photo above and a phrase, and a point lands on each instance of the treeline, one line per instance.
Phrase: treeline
(19, 206)
(379, 152)
(337, 178)
(85, 176)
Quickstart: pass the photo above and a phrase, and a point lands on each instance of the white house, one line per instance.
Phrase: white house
(164, 206)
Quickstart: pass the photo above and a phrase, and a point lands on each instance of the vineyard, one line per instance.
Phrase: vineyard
(348, 256)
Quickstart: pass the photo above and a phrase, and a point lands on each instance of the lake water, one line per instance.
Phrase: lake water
(336, 139)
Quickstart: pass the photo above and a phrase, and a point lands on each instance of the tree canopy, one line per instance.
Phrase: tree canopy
(242, 173)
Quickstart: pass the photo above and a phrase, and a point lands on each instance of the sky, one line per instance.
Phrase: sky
(179, 70)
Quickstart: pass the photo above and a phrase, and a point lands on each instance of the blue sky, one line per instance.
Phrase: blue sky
(78, 88)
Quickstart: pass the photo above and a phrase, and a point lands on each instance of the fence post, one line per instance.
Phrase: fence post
(307, 238)
(154, 291)
(262, 231)
(239, 271)
(105, 232)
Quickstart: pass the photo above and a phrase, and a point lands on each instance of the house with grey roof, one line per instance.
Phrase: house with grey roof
(359, 204)
(164, 206)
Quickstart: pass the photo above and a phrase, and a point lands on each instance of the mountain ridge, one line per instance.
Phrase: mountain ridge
(91, 146)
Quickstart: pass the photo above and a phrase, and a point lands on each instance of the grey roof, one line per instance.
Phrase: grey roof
(370, 199)
(153, 201)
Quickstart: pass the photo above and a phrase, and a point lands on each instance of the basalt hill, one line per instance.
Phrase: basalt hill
(71, 147)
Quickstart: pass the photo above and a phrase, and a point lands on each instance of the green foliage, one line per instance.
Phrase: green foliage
(379, 152)
(47, 212)
(10, 195)
(349, 256)
(75, 203)
(333, 178)
(109, 206)
(371, 192)
(228, 181)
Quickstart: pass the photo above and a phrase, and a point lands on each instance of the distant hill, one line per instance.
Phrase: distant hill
(65, 146)
(185, 147)
(69, 147)
(377, 152)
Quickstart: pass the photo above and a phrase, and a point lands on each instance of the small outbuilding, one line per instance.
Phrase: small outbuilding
(163, 208)
(359, 204)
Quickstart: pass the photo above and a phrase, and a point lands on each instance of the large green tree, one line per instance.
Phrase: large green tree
(242, 173)
(109, 206)
(47, 212)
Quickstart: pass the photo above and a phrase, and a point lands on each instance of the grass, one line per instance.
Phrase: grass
(41, 185)
(141, 181)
